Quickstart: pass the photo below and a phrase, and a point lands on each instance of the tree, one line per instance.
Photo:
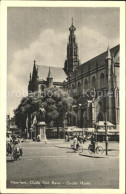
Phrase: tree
(55, 101)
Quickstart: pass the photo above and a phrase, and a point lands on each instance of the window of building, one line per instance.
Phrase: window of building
(100, 116)
(79, 87)
(85, 84)
(102, 80)
(93, 82)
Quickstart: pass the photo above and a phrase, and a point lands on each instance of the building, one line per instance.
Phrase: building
(94, 84)
(43, 77)
(10, 124)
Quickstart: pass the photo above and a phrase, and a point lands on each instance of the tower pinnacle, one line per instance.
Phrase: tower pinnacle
(34, 62)
(108, 53)
(49, 79)
(49, 74)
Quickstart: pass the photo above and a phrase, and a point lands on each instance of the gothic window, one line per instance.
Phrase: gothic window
(93, 82)
(102, 80)
(100, 116)
(85, 84)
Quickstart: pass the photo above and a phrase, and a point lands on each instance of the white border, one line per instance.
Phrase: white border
(3, 85)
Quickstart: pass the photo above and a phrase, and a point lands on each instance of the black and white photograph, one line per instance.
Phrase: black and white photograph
(63, 98)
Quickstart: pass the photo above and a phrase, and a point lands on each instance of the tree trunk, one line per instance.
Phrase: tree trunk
(57, 131)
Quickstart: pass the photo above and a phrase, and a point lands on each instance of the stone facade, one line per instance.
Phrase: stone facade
(94, 84)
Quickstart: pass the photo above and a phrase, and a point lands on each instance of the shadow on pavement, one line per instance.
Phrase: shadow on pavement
(92, 156)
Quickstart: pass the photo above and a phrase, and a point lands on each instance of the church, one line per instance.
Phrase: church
(94, 84)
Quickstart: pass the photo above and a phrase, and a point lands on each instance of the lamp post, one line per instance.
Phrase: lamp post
(83, 125)
(106, 132)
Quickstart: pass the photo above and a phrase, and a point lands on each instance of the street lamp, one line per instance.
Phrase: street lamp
(106, 132)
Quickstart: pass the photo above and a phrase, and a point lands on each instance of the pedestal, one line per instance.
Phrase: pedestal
(42, 131)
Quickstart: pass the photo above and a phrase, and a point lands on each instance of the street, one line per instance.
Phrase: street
(55, 165)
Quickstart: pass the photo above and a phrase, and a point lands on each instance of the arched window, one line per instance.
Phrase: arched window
(102, 80)
(85, 84)
(79, 88)
(100, 116)
(93, 82)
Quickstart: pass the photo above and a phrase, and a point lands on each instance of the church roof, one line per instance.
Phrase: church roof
(98, 61)
(57, 73)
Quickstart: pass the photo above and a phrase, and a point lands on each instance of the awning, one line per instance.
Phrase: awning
(102, 123)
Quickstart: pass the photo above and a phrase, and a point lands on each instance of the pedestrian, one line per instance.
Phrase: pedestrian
(79, 139)
(75, 143)
(8, 144)
(84, 138)
(66, 136)
(38, 138)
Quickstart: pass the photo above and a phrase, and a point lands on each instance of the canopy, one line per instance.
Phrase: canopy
(102, 123)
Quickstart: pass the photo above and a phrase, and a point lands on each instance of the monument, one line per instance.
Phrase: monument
(42, 125)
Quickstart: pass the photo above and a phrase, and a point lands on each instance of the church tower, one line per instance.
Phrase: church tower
(72, 61)
(33, 83)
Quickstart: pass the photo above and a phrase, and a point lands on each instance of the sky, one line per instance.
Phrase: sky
(41, 34)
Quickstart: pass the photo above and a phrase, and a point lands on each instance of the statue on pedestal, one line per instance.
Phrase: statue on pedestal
(42, 114)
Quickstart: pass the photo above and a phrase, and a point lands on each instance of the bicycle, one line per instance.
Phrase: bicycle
(98, 149)
(78, 149)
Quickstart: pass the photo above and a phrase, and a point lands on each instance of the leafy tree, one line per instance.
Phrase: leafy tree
(55, 101)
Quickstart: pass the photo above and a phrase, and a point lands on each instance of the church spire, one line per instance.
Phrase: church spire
(72, 20)
(49, 74)
(49, 79)
(72, 28)
(34, 77)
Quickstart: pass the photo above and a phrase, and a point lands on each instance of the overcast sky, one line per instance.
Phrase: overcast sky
(41, 34)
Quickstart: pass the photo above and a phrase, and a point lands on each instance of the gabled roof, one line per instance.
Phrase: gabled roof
(57, 73)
